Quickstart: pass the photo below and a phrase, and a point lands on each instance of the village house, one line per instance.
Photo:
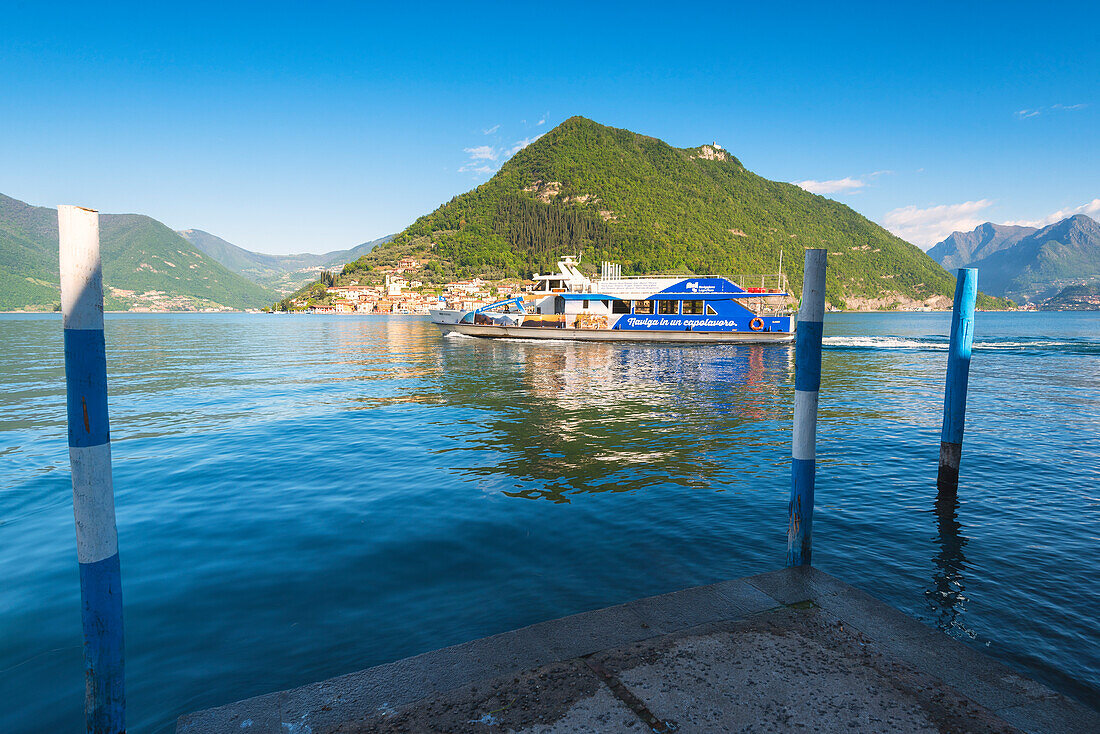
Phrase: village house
(464, 287)
(406, 264)
(394, 286)
(349, 292)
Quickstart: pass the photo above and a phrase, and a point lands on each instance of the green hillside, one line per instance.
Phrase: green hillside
(612, 194)
(1074, 298)
(28, 273)
(145, 265)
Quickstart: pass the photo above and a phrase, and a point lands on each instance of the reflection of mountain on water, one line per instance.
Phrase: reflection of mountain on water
(566, 417)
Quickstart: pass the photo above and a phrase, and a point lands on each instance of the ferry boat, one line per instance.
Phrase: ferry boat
(569, 305)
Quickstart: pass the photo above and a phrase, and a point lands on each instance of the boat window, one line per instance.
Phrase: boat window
(620, 307)
(692, 307)
(584, 304)
(668, 308)
(711, 311)
(643, 307)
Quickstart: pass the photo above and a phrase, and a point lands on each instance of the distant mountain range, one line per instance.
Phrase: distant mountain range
(611, 194)
(281, 273)
(1026, 264)
(147, 265)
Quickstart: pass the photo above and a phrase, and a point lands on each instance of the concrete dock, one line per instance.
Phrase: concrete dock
(790, 650)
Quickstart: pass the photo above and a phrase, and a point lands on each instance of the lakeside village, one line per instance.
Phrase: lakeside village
(411, 286)
(401, 292)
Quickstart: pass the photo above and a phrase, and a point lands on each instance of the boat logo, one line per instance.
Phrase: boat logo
(692, 286)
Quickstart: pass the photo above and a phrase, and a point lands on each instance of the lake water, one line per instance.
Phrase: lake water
(300, 497)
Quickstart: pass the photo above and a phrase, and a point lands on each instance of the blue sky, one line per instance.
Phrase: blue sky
(313, 127)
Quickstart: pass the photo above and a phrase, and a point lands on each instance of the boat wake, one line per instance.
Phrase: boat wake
(1037, 345)
(882, 342)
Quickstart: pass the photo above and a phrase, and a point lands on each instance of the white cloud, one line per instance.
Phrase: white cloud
(479, 160)
(1092, 209)
(848, 184)
(521, 144)
(831, 187)
(926, 227)
(491, 130)
(485, 159)
(541, 122)
(1024, 114)
(472, 167)
(483, 153)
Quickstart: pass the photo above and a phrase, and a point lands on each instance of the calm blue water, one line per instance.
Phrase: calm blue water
(300, 497)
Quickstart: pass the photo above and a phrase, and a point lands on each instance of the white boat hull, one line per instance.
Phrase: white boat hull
(616, 335)
(446, 315)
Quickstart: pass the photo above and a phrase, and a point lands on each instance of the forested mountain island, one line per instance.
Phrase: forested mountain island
(1027, 264)
(612, 194)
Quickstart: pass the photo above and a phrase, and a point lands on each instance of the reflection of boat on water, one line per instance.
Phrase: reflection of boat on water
(569, 305)
(558, 420)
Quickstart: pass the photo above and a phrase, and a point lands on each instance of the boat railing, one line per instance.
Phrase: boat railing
(762, 283)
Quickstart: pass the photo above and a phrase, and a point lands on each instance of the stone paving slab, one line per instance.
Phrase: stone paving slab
(1020, 700)
(787, 650)
(785, 670)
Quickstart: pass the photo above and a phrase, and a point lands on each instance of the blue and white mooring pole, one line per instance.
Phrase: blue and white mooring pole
(90, 456)
(807, 382)
(958, 375)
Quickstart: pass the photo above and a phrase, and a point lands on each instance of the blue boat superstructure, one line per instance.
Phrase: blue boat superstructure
(568, 305)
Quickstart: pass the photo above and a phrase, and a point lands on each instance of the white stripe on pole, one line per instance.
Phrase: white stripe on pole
(812, 307)
(804, 443)
(82, 275)
(93, 502)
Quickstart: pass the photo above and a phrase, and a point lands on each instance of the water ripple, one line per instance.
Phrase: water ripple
(300, 497)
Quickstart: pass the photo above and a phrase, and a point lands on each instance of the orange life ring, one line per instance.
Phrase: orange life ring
(756, 324)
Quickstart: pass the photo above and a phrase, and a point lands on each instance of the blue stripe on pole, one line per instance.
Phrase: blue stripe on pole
(958, 355)
(101, 614)
(807, 356)
(800, 532)
(86, 374)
